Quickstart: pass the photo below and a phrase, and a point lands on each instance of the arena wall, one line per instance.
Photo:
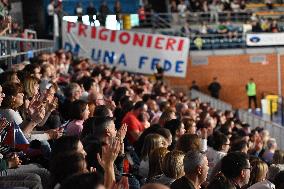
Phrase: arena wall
(233, 72)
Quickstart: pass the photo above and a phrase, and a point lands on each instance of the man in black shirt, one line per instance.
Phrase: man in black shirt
(91, 11)
(214, 88)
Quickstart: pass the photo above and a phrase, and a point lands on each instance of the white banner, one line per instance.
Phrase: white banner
(128, 50)
(265, 39)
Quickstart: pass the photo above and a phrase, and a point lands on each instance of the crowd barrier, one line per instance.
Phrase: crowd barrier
(16, 50)
(276, 131)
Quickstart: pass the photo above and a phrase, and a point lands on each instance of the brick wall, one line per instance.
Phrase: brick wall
(233, 72)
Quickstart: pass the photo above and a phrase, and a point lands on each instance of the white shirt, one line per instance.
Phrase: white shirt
(12, 116)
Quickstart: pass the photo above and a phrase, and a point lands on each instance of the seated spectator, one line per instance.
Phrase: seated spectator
(220, 148)
(258, 174)
(269, 152)
(64, 165)
(176, 128)
(172, 168)
(155, 162)
(86, 181)
(72, 92)
(235, 6)
(196, 170)
(79, 113)
(189, 142)
(220, 182)
(152, 141)
(135, 127)
(279, 180)
(236, 168)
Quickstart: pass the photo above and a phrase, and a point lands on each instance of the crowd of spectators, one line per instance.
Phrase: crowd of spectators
(83, 125)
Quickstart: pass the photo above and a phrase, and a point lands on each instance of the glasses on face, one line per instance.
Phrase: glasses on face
(249, 168)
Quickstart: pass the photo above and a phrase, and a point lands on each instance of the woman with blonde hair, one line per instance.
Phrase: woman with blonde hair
(151, 142)
(172, 168)
(258, 174)
(31, 86)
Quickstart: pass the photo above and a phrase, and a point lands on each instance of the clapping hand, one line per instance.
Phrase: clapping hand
(36, 109)
(122, 184)
(109, 153)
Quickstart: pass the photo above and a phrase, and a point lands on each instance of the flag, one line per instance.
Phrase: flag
(15, 138)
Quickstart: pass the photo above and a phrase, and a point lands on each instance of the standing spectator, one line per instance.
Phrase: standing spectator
(174, 11)
(79, 12)
(251, 93)
(91, 12)
(50, 13)
(182, 11)
(194, 85)
(160, 73)
(141, 14)
(104, 11)
(214, 9)
(196, 170)
(117, 10)
(274, 26)
(185, 30)
(214, 88)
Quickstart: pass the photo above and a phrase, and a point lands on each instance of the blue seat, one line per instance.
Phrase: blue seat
(215, 43)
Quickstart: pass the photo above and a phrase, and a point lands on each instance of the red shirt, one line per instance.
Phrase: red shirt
(134, 125)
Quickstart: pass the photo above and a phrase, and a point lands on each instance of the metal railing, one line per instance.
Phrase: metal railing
(276, 131)
(166, 20)
(216, 103)
(16, 50)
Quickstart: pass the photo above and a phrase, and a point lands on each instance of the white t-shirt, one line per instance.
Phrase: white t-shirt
(12, 116)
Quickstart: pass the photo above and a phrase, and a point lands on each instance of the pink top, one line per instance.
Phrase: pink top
(74, 128)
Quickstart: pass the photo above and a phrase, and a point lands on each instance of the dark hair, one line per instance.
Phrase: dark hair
(88, 127)
(173, 125)
(279, 180)
(101, 124)
(101, 111)
(138, 105)
(238, 146)
(86, 181)
(220, 182)
(219, 140)
(65, 144)
(30, 68)
(7, 76)
(87, 83)
(77, 109)
(166, 133)
(64, 165)
(233, 163)
(11, 90)
(118, 94)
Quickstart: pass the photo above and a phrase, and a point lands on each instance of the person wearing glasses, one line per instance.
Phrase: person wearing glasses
(236, 168)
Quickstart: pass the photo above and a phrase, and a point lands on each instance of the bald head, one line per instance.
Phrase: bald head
(154, 186)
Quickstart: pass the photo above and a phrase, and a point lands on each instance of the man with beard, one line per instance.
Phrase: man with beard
(135, 127)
